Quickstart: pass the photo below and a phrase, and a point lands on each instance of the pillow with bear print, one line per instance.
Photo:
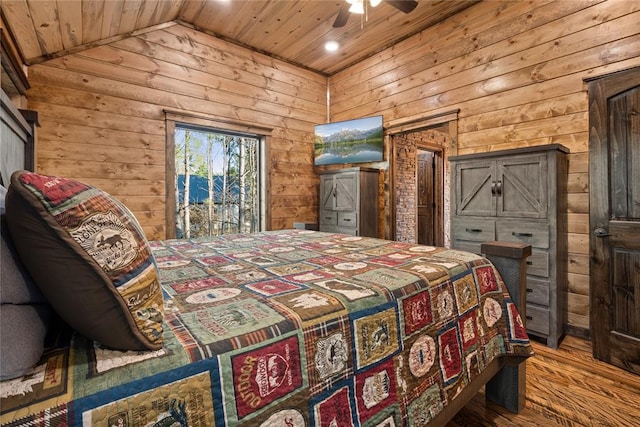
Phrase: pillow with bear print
(90, 258)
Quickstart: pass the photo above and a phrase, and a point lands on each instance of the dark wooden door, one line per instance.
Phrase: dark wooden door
(426, 198)
(614, 189)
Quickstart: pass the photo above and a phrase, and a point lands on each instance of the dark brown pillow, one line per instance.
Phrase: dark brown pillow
(88, 255)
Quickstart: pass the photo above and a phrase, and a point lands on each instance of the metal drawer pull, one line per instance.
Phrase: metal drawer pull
(529, 290)
(346, 219)
(521, 234)
(328, 217)
(529, 317)
(529, 262)
(473, 230)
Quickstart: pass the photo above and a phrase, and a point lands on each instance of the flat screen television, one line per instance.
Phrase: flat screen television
(349, 141)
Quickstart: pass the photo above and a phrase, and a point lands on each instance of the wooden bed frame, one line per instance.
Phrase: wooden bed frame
(505, 383)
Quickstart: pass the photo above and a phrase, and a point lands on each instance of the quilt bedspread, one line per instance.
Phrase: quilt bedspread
(291, 327)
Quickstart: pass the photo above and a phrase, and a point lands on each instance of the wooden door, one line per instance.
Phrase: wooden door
(426, 198)
(614, 195)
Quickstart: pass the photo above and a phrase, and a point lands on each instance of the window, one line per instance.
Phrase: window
(217, 182)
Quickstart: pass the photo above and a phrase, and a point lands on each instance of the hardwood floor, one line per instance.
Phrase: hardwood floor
(565, 387)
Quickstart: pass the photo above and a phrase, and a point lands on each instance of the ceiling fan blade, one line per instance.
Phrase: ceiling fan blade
(405, 6)
(343, 16)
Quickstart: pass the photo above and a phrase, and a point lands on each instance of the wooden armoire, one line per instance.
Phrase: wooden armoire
(519, 195)
(349, 201)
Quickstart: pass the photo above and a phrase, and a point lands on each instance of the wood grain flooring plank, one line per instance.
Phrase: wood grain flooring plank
(565, 387)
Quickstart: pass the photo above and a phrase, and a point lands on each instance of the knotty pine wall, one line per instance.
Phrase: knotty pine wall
(515, 70)
(103, 120)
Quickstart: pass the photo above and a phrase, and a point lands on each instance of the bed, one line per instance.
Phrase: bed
(289, 327)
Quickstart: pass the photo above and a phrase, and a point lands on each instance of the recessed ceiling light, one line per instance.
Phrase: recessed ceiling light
(331, 46)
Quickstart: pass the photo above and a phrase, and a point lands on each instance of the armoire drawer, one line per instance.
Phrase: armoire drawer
(328, 217)
(347, 219)
(538, 264)
(537, 319)
(475, 230)
(532, 233)
(538, 291)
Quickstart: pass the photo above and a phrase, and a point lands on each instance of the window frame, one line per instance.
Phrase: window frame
(174, 119)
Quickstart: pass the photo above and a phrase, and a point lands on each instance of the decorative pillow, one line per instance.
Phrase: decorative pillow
(24, 328)
(17, 285)
(88, 255)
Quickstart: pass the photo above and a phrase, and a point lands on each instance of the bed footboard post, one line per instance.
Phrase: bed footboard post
(508, 387)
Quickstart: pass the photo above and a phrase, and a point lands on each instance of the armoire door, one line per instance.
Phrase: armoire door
(475, 188)
(346, 191)
(614, 189)
(521, 187)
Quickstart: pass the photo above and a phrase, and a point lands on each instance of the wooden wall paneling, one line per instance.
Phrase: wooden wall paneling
(44, 94)
(83, 169)
(158, 96)
(579, 162)
(578, 182)
(467, 85)
(578, 223)
(84, 116)
(576, 243)
(144, 64)
(199, 44)
(579, 264)
(579, 284)
(578, 202)
(63, 150)
(562, 105)
(430, 47)
(89, 136)
(103, 116)
(128, 49)
(499, 54)
(527, 130)
(196, 87)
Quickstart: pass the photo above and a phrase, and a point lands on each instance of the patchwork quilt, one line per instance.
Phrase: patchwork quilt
(292, 327)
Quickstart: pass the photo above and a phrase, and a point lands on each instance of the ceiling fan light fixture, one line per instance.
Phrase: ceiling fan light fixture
(331, 46)
(357, 6)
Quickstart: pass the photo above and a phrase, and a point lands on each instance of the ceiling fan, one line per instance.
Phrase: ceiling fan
(358, 7)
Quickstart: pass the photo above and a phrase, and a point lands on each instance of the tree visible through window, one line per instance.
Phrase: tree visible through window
(217, 182)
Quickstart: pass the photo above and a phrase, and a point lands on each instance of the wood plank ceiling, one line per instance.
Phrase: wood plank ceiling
(292, 30)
